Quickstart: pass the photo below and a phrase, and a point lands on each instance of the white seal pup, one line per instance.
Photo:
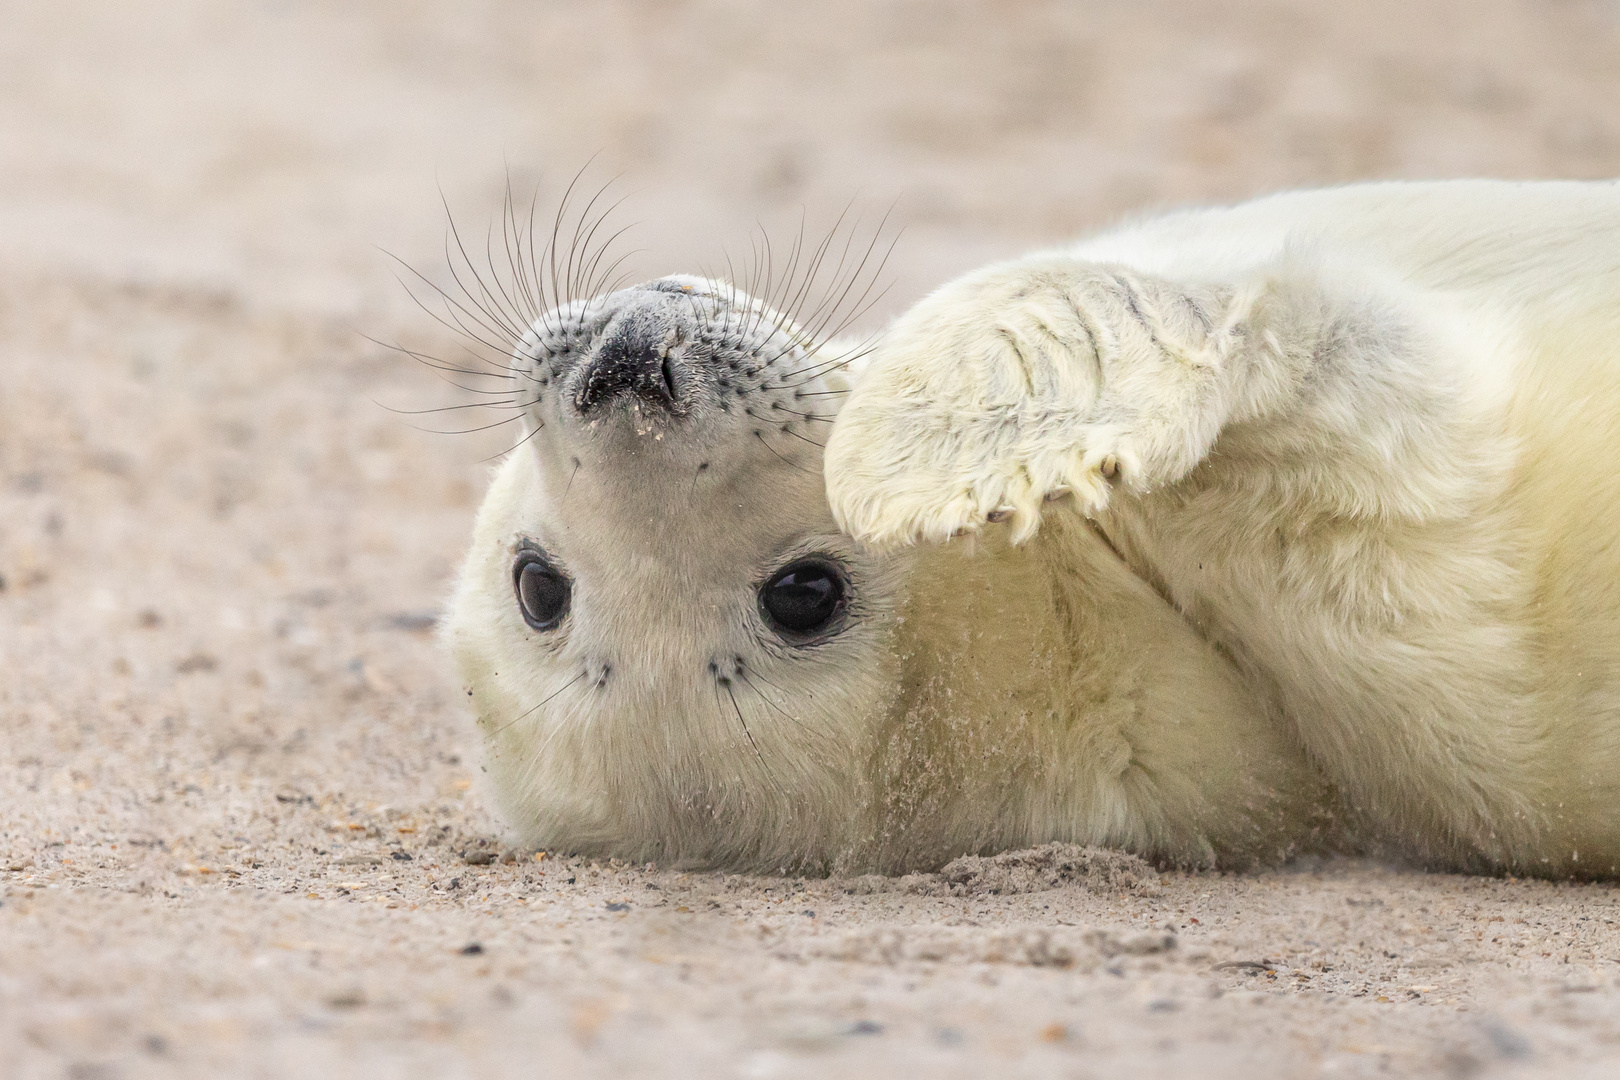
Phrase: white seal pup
(1338, 566)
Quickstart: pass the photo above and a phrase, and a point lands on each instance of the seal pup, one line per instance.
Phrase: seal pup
(675, 654)
(1327, 559)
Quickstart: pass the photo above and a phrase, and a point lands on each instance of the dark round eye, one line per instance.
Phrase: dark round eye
(803, 599)
(542, 591)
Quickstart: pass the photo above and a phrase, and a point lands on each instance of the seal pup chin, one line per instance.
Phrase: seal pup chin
(676, 654)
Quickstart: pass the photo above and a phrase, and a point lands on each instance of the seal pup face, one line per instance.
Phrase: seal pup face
(674, 652)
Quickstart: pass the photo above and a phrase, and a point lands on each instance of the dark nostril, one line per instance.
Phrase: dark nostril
(669, 379)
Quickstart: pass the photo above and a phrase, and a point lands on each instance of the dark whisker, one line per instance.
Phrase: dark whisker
(437, 364)
(468, 431)
(786, 715)
(819, 331)
(515, 446)
(785, 461)
(777, 406)
(508, 404)
(455, 326)
(548, 697)
(790, 271)
(807, 692)
(790, 311)
(533, 269)
(738, 710)
(811, 374)
(584, 231)
(512, 241)
(492, 308)
(512, 303)
(559, 295)
(613, 286)
(801, 438)
(833, 305)
(592, 279)
(859, 271)
(843, 259)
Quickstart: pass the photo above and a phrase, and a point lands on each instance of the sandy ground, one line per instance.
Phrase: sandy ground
(235, 817)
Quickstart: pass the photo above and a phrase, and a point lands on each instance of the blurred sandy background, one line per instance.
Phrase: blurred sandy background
(234, 816)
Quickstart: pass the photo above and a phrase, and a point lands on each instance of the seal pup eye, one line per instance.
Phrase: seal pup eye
(542, 591)
(803, 599)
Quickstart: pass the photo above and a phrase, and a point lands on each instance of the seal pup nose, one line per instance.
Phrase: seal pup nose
(628, 364)
(638, 355)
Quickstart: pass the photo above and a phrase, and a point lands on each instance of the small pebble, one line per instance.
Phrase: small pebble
(474, 949)
(616, 906)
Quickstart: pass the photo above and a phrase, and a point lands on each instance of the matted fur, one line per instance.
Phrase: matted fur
(1332, 565)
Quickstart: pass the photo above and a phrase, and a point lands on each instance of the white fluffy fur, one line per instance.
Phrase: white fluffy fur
(1367, 444)
(1333, 564)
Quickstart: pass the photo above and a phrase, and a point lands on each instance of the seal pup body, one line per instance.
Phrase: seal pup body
(1341, 576)
(1363, 441)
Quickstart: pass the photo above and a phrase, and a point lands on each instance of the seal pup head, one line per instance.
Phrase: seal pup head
(673, 651)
